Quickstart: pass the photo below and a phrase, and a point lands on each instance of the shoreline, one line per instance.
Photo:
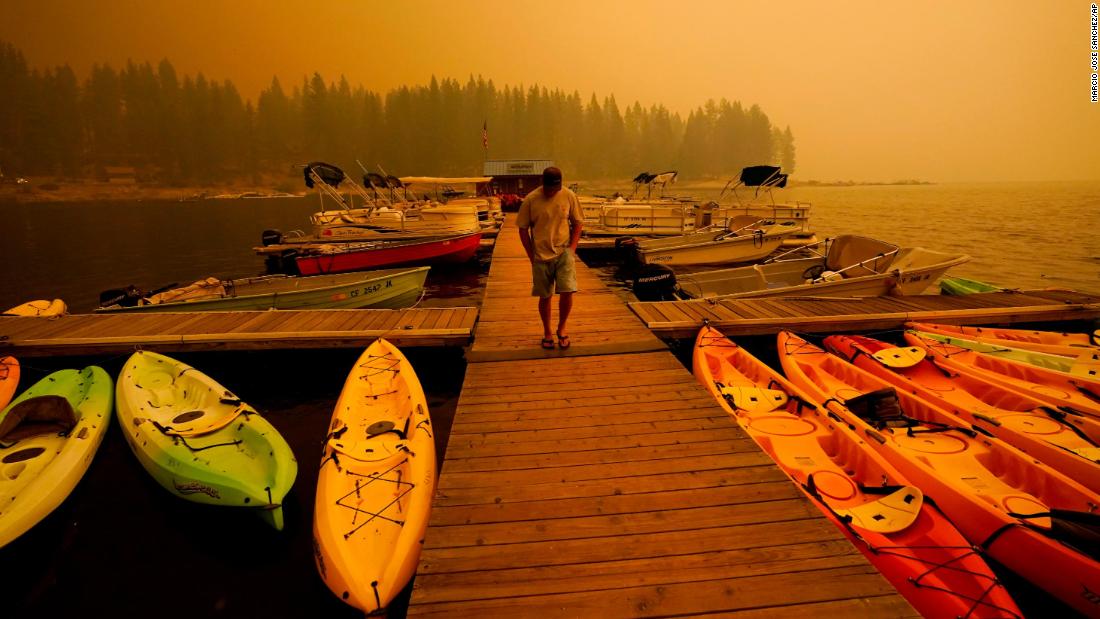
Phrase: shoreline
(44, 190)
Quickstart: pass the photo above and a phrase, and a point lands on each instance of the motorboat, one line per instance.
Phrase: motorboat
(763, 178)
(845, 266)
(384, 289)
(318, 258)
(746, 240)
(651, 214)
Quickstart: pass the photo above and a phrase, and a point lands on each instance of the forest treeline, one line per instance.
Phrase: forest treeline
(178, 129)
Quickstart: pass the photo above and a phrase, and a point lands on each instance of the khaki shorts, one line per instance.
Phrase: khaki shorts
(559, 273)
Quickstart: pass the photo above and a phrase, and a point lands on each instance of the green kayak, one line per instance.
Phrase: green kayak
(961, 285)
(48, 437)
(1086, 364)
(199, 441)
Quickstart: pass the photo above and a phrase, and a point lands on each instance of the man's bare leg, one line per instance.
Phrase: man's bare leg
(544, 313)
(565, 305)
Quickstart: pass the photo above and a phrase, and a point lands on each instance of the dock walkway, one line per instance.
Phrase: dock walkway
(604, 481)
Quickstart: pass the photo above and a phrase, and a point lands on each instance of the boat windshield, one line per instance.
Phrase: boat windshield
(848, 250)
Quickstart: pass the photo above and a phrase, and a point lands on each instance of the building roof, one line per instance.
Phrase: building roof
(516, 167)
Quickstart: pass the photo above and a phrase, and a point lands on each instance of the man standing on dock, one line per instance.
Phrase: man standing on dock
(549, 223)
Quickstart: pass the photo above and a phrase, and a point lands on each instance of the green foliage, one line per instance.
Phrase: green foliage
(176, 129)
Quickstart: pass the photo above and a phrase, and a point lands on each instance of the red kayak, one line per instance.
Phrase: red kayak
(1028, 517)
(378, 254)
(881, 513)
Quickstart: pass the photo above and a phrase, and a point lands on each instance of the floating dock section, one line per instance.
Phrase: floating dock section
(682, 319)
(90, 334)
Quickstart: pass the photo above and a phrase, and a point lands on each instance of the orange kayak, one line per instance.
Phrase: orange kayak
(907, 539)
(1024, 514)
(1023, 422)
(1050, 342)
(9, 379)
(1068, 392)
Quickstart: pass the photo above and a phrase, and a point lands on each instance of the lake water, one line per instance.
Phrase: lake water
(122, 546)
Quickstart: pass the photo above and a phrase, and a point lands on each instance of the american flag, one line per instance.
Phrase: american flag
(485, 135)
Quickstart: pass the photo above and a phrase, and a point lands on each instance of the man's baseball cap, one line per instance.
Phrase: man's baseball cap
(551, 177)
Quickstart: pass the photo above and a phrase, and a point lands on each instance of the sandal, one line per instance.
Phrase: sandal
(548, 343)
(563, 341)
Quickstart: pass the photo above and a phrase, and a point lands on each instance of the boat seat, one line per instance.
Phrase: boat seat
(879, 406)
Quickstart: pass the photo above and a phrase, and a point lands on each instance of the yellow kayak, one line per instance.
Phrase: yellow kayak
(374, 490)
(42, 308)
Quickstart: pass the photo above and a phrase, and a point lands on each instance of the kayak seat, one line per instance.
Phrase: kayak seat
(890, 514)
(754, 399)
(45, 414)
(899, 358)
(204, 421)
(880, 408)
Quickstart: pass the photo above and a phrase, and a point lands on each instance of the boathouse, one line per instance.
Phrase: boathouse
(516, 176)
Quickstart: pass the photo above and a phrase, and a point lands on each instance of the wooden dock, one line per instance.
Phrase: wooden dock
(598, 482)
(87, 334)
(682, 319)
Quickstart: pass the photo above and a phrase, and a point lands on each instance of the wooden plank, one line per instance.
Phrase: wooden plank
(575, 507)
(601, 576)
(489, 493)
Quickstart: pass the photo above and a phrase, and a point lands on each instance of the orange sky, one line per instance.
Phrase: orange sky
(872, 90)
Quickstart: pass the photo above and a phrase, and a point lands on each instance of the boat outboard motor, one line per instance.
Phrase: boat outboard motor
(271, 237)
(655, 282)
(626, 248)
(284, 262)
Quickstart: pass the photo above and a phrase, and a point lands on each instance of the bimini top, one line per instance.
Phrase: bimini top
(374, 179)
(328, 173)
(663, 178)
(433, 180)
(763, 176)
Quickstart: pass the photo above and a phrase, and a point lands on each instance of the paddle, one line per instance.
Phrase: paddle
(126, 293)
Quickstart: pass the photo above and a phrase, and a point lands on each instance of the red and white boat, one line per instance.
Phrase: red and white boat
(343, 257)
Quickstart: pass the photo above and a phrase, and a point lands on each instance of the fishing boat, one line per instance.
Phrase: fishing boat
(199, 441)
(385, 289)
(1049, 342)
(49, 435)
(316, 259)
(1028, 517)
(1069, 444)
(1073, 395)
(1086, 364)
(962, 285)
(376, 481)
(42, 308)
(881, 513)
(746, 240)
(845, 266)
